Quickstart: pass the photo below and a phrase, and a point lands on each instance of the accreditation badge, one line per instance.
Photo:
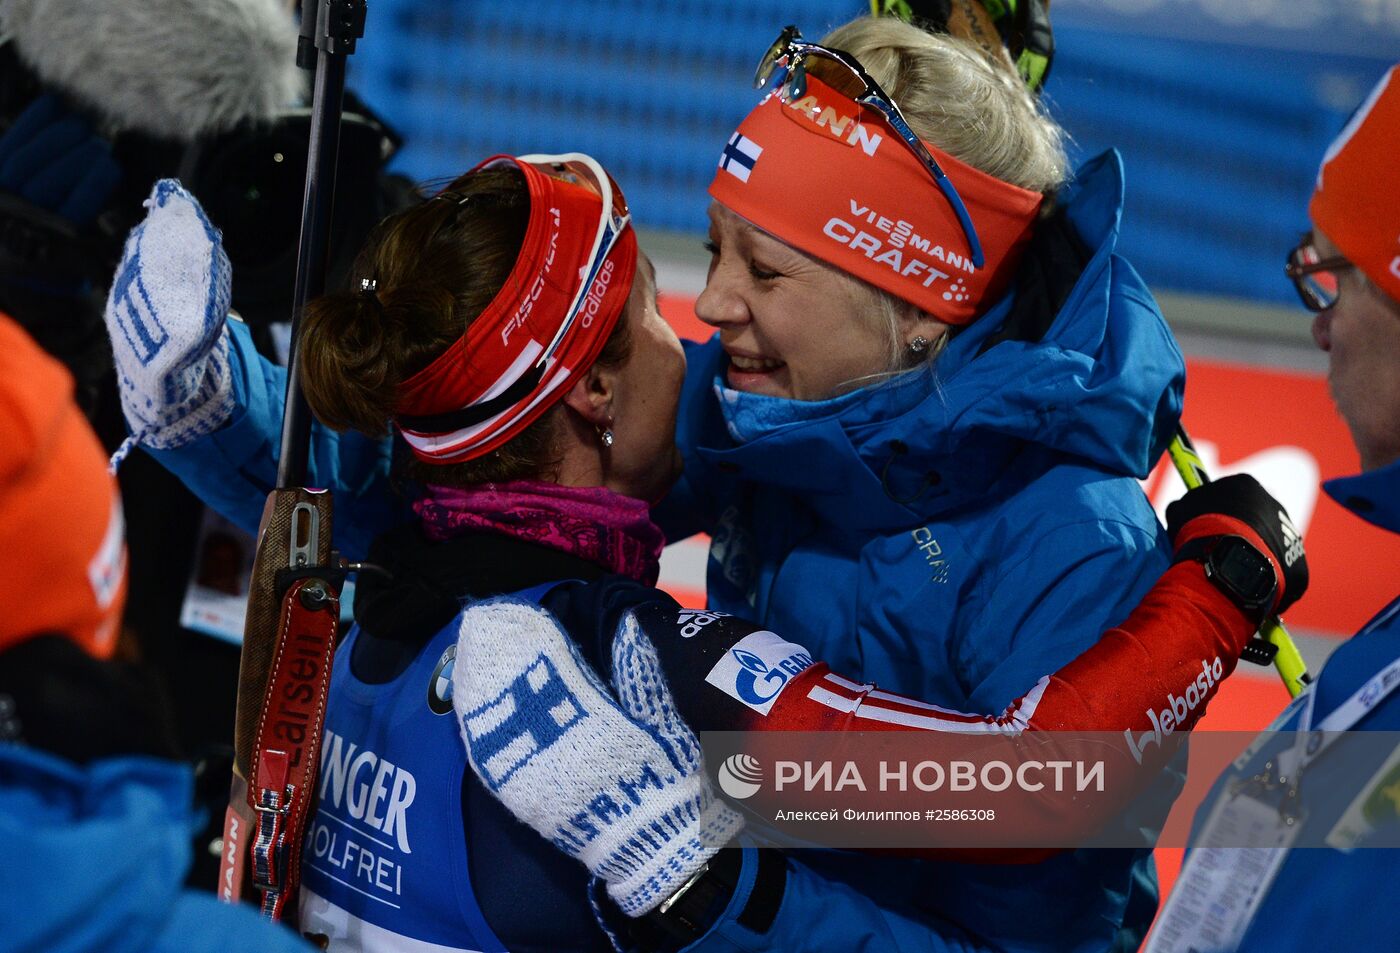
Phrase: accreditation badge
(1376, 806)
(1241, 847)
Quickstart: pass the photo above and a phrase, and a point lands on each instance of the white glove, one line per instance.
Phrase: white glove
(166, 317)
(620, 787)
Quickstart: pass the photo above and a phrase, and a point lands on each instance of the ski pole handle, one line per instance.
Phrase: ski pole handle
(1287, 660)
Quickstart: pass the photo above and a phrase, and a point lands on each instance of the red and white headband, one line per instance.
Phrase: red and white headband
(545, 327)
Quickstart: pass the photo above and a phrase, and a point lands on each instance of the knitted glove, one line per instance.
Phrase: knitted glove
(619, 787)
(166, 318)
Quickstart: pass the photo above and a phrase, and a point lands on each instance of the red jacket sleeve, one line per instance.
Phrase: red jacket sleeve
(1144, 684)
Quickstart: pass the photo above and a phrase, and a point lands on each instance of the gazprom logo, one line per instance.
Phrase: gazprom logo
(757, 668)
(757, 683)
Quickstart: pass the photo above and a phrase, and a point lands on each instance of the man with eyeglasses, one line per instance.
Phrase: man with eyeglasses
(1284, 853)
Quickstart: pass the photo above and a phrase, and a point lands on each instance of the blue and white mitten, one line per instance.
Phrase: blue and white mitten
(166, 317)
(621, 788)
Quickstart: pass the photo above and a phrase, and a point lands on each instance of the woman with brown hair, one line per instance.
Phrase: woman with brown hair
(519, 293)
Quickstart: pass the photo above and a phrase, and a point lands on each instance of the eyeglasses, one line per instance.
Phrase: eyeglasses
(1315, 277)
(843, 73)
(576, 169)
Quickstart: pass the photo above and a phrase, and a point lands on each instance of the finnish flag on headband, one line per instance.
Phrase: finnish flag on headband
(739, 157)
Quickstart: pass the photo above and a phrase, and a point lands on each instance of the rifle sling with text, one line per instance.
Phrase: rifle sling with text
(284, 678)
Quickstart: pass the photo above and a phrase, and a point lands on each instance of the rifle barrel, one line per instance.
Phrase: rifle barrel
(312, 254)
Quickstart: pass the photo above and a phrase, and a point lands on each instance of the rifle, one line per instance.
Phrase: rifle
(294, 599)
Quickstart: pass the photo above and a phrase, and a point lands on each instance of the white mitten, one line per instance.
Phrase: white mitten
(622, 789)
(166, 317)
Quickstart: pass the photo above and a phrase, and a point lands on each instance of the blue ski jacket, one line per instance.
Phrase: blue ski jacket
(952, 536)
(957, 535)
(96, 857)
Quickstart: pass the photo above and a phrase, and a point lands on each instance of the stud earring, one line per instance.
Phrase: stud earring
(919, 345)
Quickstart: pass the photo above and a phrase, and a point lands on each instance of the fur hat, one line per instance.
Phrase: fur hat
(175, 69)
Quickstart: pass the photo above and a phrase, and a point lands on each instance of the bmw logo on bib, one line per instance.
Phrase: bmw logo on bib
(440, 685)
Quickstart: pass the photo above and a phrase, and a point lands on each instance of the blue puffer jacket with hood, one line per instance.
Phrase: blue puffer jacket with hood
(96, 857)
(957, 535)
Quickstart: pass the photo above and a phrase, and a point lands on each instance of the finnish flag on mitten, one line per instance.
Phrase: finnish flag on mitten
(620, 787)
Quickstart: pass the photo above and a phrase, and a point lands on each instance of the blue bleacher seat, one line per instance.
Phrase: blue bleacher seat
(1221, 138)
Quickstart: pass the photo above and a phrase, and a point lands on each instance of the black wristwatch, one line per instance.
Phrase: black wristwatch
(1237, 569)
(690, 912)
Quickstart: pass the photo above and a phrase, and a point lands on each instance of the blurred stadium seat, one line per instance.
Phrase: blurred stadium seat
(1221, 109)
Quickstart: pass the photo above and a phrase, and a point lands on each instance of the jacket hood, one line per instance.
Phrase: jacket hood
(1077, 361)
(1374, 495)
(100, 851)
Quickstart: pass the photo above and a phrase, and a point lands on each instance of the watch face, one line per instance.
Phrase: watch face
(1245, 570)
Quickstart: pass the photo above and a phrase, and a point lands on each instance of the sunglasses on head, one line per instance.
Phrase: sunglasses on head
(1315, 277)
(585, 171)
(841, 71)
(574, 168)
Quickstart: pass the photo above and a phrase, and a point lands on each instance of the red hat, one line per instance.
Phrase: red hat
(1356, 202)
(61, 529)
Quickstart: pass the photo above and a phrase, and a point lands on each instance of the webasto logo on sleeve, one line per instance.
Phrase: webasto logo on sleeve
(1177, 709)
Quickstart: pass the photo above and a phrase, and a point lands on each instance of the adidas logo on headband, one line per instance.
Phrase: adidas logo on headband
(545, 327)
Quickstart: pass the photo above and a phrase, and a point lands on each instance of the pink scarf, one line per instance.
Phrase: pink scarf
(592, 523)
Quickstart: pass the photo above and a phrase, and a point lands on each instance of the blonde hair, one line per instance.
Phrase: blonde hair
(969, 105)
(955, 97)
(884, 313)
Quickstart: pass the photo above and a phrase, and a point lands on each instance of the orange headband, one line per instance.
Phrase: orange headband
(1355, 203)
(841, 186)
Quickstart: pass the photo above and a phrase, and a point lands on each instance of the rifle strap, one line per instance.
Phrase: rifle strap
(286, 754)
